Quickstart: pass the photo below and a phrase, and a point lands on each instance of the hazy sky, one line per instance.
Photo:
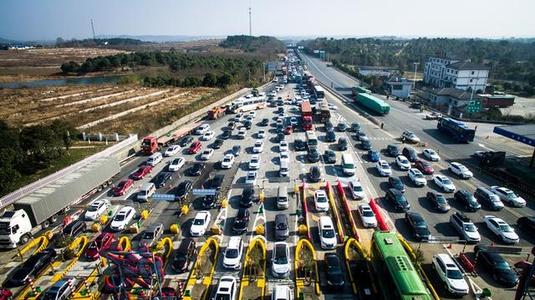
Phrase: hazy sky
(48, 19)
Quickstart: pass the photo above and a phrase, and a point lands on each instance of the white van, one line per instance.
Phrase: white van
(282, 197)
(284, 168)
(348, 165)
(146, 191)
(154, 159)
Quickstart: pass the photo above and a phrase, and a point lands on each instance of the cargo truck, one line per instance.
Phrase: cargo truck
(41, 208)
(216, 113)
(359, 89)
(373, 103)
(323, 112)
(306, 115)
(149, 145)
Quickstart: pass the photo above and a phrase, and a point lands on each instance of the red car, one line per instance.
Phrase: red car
(103, 242)
(195, 147)
(142, 172)
(424, 166)
(123, 187)
(288, 130)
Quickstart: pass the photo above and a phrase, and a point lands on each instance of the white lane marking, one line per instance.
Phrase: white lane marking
(485, 147)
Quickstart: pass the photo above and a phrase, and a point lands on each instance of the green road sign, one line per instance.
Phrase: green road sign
(473, 106)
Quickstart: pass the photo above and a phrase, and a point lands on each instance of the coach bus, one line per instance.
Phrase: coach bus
(312, 140)
(399, 278)
(457, 129)
(249, 102)
(319, 92)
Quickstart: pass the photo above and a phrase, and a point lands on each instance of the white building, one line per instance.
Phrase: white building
(446, 73)
(398, 87)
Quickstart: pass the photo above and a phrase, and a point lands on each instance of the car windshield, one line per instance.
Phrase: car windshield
(441, 200)
(470, 228)
(505, 228)
(93, 207)
(367, 213)
(384, 165)
(404, 161)
(282, 226)
(328, 233)
(176, 161)
(454, 274)
(231, 253)
(321, 198)
(222, 297)
(198, 222)
(280, 255)
(148, 235)
(501, 264)
(119, 217)
(420, 223)
(446, 181)
(357, 188)
(418, 175)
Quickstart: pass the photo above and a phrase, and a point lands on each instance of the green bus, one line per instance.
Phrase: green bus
(393, 264)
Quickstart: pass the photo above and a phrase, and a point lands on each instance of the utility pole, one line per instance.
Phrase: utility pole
(414, 78)
(250, 27)
(93, 29)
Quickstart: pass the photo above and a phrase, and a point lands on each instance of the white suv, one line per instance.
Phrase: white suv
(233, 253)
(465, 227)
(280, 260)
(417, 177)
(449, 273)
(227, 288)
(327, 233)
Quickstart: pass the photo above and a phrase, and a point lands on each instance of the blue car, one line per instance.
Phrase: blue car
(374, 155)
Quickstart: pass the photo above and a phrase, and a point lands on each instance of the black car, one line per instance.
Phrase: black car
(418, 226)
(185, 141)
(227, 134)
(214, 183)
(217, 144)
(330, 136)
(360, 135)
(468, 200)
(241, 221)
(247, 197)
(196, 169)
(281, 227)
(397, 199)
(74, 228)
(162, 178)
(526, 223)
(329, 157)
(314, 175)
(264, 122)
(341, 126)
(396, 183)
(236, 149)
(355, 127)
(342, 143)
(300, 145)
(313, 155)
(183, 189)
(185, 254)
(247, 124)
(31, 268)
(392, 150)
(365, 143)
(210, 201)
(335, 274)
(439, 201)
(329, 126)
(410, 153)
(496, 265)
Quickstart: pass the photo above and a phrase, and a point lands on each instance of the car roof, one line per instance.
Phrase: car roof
(234, 242)
(447, 260)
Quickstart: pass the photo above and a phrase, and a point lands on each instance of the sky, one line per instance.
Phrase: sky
(49, 19)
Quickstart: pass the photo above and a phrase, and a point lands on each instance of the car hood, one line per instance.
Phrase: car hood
(510, 235)
(422, 232)
(117, 224)
(196, 228)
(458, 284)
(474, 235)
(281, 268)
(91, 215)
(335, 278)
(239, 224)
(331, 241)
(231, 261)
(506, 276)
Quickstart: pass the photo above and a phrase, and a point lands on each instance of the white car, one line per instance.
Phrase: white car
(501, 229)
(417, 177)
(449, 273)
(202, 129)
(280, 260)
(254, 163)
(444, 183)
(252, 114)
(96, 209)
(356, 189)
(172, 150)
(242, 132)
(250, 178)
(431, 154)
(200, 223)
(284, 156)
(460, 170)
(508, 196)
(367, 216)
(176, 164)
(320, 201)
(332, 106)
(403, 163)
(258, 146)
(327, 233)
(207, 153)
(122, 218)
(293, 121)
(283, 146)
(227, 162)
(208, 135)
(261, 134)
(227, 288)
(233, 253)
(410, 137)
(383, 168)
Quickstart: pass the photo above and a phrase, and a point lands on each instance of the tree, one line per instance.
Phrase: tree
(224, 80)
(209, 80)
(70, 67)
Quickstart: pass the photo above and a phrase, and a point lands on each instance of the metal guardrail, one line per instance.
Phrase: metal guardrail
(14, 196)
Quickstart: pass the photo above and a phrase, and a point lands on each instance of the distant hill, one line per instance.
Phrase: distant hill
(261, 44)
(162, 38)
(100, 42)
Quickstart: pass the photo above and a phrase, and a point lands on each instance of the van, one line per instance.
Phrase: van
(484, 195)
(348, 165)
(284, 168)
(154, 159)
(410, 153)
(146, 191)
(282, 197)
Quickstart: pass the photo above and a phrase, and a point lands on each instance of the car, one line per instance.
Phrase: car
(314, 175)
(332, 106)
(329, 157)
(195, 147)
(330, 137)
(374, 155)
(281, 292)
(365, 143)
(431, 154)
(281, 227)
(497, 266)
(62, 289)
(321, 202)
(176, 164)
(172, 150)
(508, 196)
(254, 162)
(424, 166)
(185, 141)
(227, 162)
(280, 261)
(356, 189)
(247, 197)
(383, 168)
(207, 153)
(202, 129)
(141, 172)
(498, 226)
(410, 153)
(200, 223)
(210, 201)
(227, 289)
(184, 255)
(410, 137)
(233, 254)
(342, 126)
(396, 183)
(96, 209)
(217, 144)
(444, 183)
(227, 134)
(241, 221)
(460, 170)
(151, 235)
(241, 133)
(293, 121)
(236, 149)
(258, 146)
(326, 232)
(260, 134)
(313, 155)
(342, 143)
(433, 116)
(183, 189)
(215, 182)
(122, 218)
(418, 226)
(361, 135)
(103, 242)
(161, 179)
(207, 136)
(252, 114)
(367, 216)
(196, 169)
(288, 130)
(526, 223)
(335, 273)
(299, 145)
(465, 227)
(403, 163)
(484, 195)
(392, 150)
(250, 178)
(397, 199)
(417, 177)
(468, 200)
(439, 201)
(264, 122)
(450, 274)
(355, 127)
(31, 268)
(283, 146)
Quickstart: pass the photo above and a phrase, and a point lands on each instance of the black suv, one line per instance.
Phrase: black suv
(330, 136)
(184, 255)
(418, 226)
(162, 178)
(392, 150)
(247, 197)
(315, 174)
(335, 273)
(397, 199)
(196, 169)
(313, 155)
(410, 153)
(342, 143)
(183, 189)
(30, 268)
(467, 200)
(241, 221)
(300, 145)
(329, 157)
(264, 122)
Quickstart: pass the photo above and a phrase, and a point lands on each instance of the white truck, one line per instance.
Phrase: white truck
(41, 208)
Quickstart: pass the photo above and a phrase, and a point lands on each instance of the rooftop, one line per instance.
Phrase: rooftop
(381, 68)
(522, 133)
(454, 93)
(466, 65)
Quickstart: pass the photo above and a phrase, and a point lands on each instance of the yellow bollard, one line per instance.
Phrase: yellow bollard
(259, 229)
(224, 203)
(302, 229)
(174, 229)
(296, 188)
(216, 230)
(184, 210)
(103, 219)
(261, 196)
(95, 227)
(145, 214)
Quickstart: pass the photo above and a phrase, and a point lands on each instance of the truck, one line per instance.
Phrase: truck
(323, 111)
(306, 115)
(359, 89)
(41, 208)
(149, 145)
(216, 113)
(372, 103)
